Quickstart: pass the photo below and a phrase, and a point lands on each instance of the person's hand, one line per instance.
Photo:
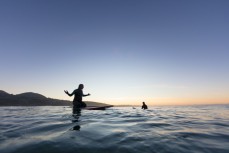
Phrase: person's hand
(66, 91)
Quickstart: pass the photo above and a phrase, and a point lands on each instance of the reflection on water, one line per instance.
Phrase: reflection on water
(76, 127)
(183, 129)
(76, 113)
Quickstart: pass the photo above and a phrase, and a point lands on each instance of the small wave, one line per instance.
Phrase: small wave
(162, 129)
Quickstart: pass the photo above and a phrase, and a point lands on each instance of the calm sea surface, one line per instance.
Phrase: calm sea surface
(183, 129)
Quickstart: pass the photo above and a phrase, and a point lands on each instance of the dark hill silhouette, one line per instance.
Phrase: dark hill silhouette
(35, 99)
(31, 95)
(3, 93)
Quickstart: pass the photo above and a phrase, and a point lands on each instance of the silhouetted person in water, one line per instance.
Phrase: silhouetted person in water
(144, 106)
(77, 101)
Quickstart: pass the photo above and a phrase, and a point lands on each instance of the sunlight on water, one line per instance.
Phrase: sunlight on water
(120, 129)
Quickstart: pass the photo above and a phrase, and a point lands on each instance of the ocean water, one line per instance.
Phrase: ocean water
(174, 129)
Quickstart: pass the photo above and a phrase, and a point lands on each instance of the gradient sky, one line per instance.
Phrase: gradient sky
(162, 52)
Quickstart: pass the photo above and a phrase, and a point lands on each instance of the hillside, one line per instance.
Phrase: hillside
(35, 99)
(4, 94)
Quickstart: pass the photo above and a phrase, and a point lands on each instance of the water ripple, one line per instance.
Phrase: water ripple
(115, 130)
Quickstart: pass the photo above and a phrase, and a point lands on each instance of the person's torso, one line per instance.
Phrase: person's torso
(78, 93)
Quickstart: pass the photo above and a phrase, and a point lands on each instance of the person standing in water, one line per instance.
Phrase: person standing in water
(78, 96)
(144, 106)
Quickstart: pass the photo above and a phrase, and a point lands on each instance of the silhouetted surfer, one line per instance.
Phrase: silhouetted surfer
(78, 93)
(144, 106)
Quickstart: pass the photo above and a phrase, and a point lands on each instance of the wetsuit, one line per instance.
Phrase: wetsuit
(77, 101)
(144, 106)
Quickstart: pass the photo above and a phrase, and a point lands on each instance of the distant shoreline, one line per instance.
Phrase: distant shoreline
(35, 99)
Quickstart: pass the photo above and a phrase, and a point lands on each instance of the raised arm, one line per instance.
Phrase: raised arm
(86, 95)
(66, 91)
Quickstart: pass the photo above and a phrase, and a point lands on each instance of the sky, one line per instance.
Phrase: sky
(163, 52)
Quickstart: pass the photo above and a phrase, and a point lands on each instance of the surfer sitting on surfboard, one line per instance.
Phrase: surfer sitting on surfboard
(78, 93)
(144, 106)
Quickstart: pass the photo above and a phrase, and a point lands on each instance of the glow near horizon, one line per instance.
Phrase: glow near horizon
(124, 52)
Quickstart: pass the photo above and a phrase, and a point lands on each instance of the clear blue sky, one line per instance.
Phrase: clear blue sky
(123, 51)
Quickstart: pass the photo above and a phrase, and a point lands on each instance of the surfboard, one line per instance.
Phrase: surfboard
(96, 107)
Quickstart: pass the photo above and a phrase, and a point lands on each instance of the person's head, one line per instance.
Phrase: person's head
(143, 103)
(81, 86)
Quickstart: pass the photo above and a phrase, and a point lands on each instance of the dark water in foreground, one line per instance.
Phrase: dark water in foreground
(183, 129)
